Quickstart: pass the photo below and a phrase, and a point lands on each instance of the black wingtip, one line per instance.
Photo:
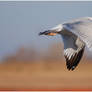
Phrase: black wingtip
(71, 68)
(44, 33)
(71, 65)
(40, 33)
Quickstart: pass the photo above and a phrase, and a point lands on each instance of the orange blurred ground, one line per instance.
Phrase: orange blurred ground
(41, 75)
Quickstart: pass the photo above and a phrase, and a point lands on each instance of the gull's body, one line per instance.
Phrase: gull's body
(76, 35)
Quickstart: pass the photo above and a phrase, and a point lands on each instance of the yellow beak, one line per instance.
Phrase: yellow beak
(51, 34)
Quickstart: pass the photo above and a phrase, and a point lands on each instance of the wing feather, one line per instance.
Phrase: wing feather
(72, 62)
(73, 49)
(82, 28)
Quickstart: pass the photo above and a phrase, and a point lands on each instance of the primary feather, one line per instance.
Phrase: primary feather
(73, 49)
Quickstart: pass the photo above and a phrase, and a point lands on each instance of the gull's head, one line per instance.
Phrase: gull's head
(53, 31)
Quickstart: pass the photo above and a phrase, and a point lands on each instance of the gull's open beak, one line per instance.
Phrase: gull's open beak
(50, 33)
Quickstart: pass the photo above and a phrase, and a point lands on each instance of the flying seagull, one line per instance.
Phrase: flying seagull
(76, 34)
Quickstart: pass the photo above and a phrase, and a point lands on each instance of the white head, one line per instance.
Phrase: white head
(53, 31)
(58, 28)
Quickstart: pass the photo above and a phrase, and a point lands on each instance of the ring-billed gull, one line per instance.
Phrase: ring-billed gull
(76, 34)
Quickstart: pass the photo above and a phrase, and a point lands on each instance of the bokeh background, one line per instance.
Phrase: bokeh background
(32, 62)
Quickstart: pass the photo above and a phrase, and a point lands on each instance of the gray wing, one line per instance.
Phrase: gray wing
(73, 50)
(82, 28)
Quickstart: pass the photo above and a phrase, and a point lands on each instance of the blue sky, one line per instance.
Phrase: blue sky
(20, 22)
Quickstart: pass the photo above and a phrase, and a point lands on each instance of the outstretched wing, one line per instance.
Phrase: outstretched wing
(82, 28)
(73, 57)
(73, 50)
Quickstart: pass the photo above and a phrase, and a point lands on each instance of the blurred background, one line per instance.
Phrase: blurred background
(29, 61)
